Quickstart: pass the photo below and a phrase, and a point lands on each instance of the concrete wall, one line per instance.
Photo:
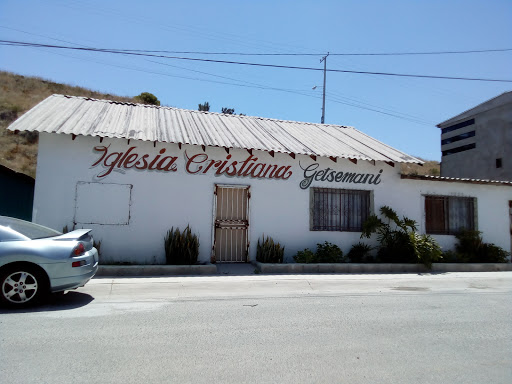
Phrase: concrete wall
(493, 138)
(159, 200)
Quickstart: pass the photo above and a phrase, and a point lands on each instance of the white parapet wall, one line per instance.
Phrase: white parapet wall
(132, 192)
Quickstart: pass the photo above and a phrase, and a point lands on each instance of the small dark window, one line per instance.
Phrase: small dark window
(498, 163)
(339, 209)
(458, 126)
(458, 138)
(459, 149)
(448, 215)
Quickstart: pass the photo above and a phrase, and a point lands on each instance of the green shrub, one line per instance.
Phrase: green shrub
(426, 249)
(269, 252)
(491, 253)
(329, 253)
(325, 253)
(306, 256)
(360, 253)
(147, 98)
(472, 249)
(181, 248)
(468, 245)
(450, 257)
(397, 249)
(399, 242)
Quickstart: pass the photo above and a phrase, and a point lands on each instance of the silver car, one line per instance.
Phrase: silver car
(36, 260)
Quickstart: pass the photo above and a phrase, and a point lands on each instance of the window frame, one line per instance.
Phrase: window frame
(365, 195)
(448, 204)
(462, 136)
(455, 150)
(454, 127)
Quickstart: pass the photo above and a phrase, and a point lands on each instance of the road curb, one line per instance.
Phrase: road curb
(156, 270)
(380, 268)
(297, 268)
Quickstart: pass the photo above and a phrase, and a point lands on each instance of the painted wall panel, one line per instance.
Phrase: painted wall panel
(171, 190)
(89, 208)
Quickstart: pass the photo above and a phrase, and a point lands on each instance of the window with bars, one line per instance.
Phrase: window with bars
(339, 209)
(448, 215)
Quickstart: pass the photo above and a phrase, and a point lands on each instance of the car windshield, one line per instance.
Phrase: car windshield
(30, 230)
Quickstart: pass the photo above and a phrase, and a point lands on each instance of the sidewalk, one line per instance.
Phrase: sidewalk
(155, 289)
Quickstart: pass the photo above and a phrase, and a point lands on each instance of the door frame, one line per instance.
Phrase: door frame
(213, 258)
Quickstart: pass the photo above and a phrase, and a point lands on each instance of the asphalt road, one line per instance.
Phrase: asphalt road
(445, 328)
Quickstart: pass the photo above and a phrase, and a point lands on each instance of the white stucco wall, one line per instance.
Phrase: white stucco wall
(279, 208)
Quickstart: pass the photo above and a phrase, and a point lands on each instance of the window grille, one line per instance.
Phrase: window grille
(339, 209)
(448, 215)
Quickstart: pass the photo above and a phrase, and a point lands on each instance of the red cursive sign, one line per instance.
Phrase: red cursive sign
(200, 163)
(131, 159)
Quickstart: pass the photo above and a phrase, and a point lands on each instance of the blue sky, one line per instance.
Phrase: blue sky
(401, 112)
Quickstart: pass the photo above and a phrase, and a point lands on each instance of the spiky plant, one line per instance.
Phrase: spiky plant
(360, 253)
(269, 252)
(181, 248)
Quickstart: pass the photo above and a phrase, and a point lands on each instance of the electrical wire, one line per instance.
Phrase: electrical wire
(332, 96)
(284, 54)
(317, 54)
(27, 44)
(216, 35)
(335, 99)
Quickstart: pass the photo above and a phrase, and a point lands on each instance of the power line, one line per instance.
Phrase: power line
(26, 44)
(337, 98)
(289, 54)
(39, 35)
(317, 54)
(423, 53)
(334, 99)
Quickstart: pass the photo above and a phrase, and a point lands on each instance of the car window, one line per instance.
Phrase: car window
(30, 230)
(7, 234)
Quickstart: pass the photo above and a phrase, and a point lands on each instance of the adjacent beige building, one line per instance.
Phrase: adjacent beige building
(477, 143)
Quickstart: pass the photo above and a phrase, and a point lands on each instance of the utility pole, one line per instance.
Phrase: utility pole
(324, 59)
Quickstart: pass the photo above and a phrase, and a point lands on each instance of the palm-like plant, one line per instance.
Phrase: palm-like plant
(399, 242)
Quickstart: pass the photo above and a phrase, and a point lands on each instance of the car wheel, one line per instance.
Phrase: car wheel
(22, 285)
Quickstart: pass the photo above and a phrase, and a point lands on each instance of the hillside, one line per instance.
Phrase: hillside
(20, 93)
(430, 167)
(17, 95)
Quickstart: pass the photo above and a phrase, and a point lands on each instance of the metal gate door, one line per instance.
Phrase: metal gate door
(231, 223)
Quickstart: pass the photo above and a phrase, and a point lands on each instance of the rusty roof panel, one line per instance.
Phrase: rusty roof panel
(104, 118)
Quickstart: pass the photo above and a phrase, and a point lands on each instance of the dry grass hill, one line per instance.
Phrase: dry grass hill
(17, 95)
(20, 93)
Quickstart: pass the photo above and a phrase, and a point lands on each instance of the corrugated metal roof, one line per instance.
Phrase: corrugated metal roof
(456, 180)
(104, 118)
